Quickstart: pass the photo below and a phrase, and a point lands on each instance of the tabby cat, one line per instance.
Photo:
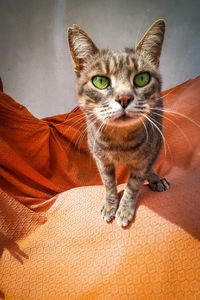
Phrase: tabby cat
(120, 93)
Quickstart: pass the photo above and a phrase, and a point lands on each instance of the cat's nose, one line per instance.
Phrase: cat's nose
(124, 100)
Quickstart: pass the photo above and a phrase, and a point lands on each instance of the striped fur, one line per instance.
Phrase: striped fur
(117, 135)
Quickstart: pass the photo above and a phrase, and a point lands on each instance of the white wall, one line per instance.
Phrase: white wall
(35, 63)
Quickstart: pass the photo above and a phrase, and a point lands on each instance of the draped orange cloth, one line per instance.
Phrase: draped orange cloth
(39, 159)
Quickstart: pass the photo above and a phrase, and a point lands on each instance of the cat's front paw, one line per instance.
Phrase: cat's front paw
(108, 212)
(124, 215)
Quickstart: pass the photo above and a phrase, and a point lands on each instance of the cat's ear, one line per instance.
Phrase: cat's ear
(151, 43)
(81, 46)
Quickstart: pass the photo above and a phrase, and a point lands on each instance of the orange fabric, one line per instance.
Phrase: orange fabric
(74, 254)
(40, 158)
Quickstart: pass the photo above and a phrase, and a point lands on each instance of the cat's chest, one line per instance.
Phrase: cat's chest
(122, 158)
(120, 153)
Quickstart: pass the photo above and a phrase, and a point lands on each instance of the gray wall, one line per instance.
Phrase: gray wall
(35, 63)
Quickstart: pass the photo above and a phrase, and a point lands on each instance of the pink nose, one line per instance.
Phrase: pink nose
(124, 100)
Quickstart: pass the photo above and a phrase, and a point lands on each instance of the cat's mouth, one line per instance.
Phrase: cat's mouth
(124, 119)
(125, 116)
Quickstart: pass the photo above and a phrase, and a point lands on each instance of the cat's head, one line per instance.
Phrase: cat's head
(117, 87)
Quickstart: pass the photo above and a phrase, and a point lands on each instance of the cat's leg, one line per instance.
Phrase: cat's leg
(127, 205)
(109, 208)
(156, 183)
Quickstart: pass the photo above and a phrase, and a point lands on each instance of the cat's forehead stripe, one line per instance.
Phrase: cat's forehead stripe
(107, 66)
(114, 61)
(135, 65)
(98, 66)
(117, 63)
(127, 60)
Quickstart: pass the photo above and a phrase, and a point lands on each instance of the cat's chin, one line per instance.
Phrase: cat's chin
(123, 121)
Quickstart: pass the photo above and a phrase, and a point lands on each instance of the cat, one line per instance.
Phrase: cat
(119, 92)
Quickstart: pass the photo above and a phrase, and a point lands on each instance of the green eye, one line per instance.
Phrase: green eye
(101, 82)
(142, 79)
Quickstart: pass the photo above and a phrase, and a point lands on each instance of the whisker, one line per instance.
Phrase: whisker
(84, 132)
(80, 138)
(177, 113)
(93, 120)
(162, 97)
(80, 122)
(73, 124)
(77, 116)
(179, 128)
(67, 120)
(164, 140)
(96, 136)
(147, 135)
(91, 125)
(76, 122)
(167, 94)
